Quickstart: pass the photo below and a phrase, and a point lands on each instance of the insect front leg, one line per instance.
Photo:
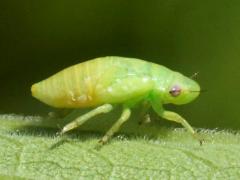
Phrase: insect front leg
(82, 119)
(123, 118)
(172, 116)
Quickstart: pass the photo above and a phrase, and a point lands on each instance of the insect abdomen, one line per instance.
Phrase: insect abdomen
(71, 87)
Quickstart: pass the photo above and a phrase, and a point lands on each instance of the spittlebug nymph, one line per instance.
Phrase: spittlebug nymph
(105, 81)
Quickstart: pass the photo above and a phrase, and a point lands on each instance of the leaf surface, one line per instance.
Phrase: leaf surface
(35, 152)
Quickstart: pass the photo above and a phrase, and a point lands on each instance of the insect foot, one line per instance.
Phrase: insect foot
(103, 140)
(60, 133)
(145, 120)
(199, 138)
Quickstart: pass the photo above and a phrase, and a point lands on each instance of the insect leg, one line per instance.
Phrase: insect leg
(144, 116)
(172, 116)
(61, 113)
(82, 119)
(124, 117)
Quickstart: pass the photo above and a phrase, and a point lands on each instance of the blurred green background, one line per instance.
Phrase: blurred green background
(39, 38)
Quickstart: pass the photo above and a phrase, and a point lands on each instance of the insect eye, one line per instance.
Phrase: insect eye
(175, 91)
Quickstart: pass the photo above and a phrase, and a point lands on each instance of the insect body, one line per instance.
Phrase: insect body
(105, 81)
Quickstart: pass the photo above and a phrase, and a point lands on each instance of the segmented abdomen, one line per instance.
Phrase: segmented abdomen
(71, 87)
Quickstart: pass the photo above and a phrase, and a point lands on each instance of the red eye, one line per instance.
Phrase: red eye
(175, 91)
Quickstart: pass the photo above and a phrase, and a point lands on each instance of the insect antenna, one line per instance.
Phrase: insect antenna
(202, 90)
(194, 76)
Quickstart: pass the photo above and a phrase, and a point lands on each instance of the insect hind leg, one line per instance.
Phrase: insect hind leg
(123, 118)
(82, 119)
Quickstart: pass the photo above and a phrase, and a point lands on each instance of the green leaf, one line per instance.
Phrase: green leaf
(30, 150)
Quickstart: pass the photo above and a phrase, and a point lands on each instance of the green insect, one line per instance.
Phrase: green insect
(106, 81)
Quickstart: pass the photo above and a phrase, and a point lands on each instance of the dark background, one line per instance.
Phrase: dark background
(39, 38)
